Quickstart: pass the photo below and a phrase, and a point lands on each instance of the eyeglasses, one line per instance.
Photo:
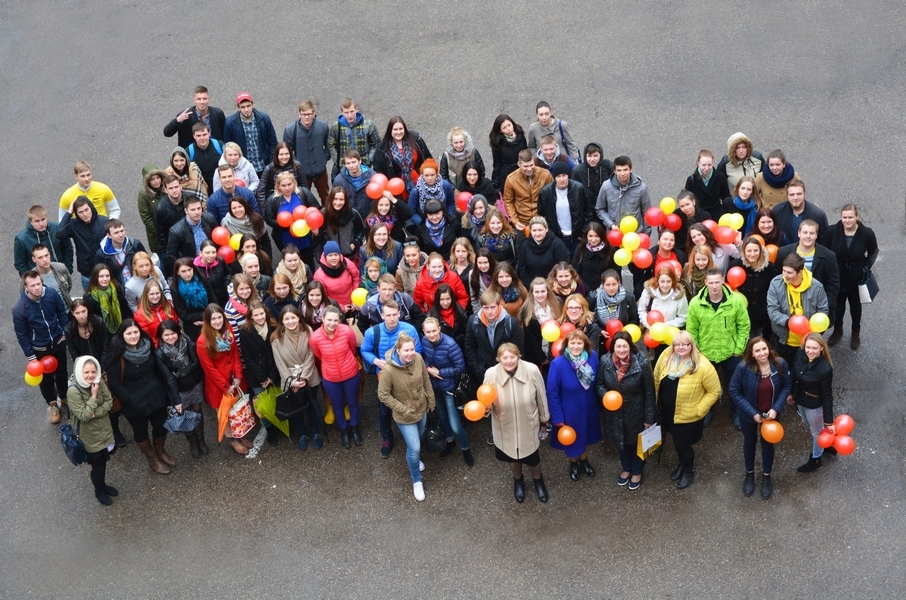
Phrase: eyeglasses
(679, 345)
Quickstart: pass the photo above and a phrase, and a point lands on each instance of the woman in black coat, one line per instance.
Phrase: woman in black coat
(856, 248)
(86, 228)
(472, 180)
(400, 153)
(710, 195)
(689, 212)
(191, 295)
(258, 366)
(283, 161)
(507, 140)
(144, 386)
(213, 271)
(539, 252)
(593, 256)
(759, 273)
(813, 394)
(612, 301)
(179, 355)
(626, 371)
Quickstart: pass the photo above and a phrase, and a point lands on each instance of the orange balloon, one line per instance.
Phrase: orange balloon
(772, 252)
(613, 400)
(474, 410)
(566, 435)
(487, 394)
(843, 424)
(396, 186)
(557, 347)
(771, 431)
(757, 237)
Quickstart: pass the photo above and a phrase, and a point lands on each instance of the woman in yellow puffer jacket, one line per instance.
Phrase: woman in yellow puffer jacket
(686, 385)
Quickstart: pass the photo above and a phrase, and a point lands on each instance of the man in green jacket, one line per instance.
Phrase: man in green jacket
(719, 323)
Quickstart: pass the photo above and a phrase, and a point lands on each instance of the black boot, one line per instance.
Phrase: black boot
(767, 488)
(272, 437)
(813, 464)
(855, 341)
(344, 438)
(586, 466)
(356, 435)
(199, 434)
(468, 458)
(539, 487)
(193, 444)
(117, 434)
(677, 473)
(574, 471)
(448, 448)
(748, 485)
(830, 450)
(836, 335)
(519, 489)
(686, 480)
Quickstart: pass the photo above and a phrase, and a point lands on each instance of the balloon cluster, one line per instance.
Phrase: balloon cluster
(839, 438)
(658, 331)
(476, 409)
(664, 215)
(379, 183)
(802, 325)
(35, 369)
(556, 333)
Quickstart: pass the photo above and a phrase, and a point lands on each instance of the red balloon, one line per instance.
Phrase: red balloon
(613, 326)
(379, 179)
(615, 237)
(654, 216)
(826, 438)
(736, 276)
(239, 182)
(566, 328)
(711, 225)
(655, 316)
(650, 341)
(50, 364)
(299, 212)
(844, 425)
(673, 222)
(374, 190)
(725, 235)
(314, 218)
(557, 348)
(396, 186)
(284, 218)
(677, 267)
(642, 258)
(34, 368)
(227, 254)
(462, 201)
(645, 241)
(845, 445)
(799, 324)
(221, 236)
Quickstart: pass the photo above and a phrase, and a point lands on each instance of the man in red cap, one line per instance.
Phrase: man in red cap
(253, 131)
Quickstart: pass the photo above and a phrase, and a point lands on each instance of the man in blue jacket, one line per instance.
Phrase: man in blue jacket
(253, 131)
(377, 341)
(219, 202)
(39, 230)
(308, 137)
(39, 318)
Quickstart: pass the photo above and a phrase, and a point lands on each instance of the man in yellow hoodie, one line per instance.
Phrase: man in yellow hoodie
(793, 292)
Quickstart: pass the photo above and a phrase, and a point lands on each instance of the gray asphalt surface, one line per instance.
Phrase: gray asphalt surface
(655, 80)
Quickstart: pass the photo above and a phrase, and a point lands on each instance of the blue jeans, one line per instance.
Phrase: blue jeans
(570, 242)
(814, 420)
(749, 439)
(85, 282)
(344, 392)
(412, 434)
(630, 461)
(449, 416)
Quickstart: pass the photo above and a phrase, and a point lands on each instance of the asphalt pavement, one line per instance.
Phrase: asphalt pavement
(655, 80)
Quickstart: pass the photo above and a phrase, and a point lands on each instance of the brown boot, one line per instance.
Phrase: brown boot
(193, 444)
(835, 336)
(855, 342)
(161, 453)
(153, 461)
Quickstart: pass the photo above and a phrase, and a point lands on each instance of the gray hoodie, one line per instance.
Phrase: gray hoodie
(615, 202)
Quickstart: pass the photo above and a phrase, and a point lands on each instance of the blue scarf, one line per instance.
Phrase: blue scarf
(193, 293)
(436, 231)
(510, 294)
(748, 209)
(778, 182)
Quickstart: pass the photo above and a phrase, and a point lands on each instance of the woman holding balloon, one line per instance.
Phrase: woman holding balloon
(760, 385)
(663, 300)
(285, 208)
(241, 219)
(766, 227)
(577, 315)
(393, 213)
(751, 279)
(611, 302)
(540, 307)
(213, 270)
(688, 212)
(342, 224)
(573, 403)
(401, 153)
(813, 394)
(626, 373)
(721, 252)
(746, 202)
(248, 244)
(663, 253)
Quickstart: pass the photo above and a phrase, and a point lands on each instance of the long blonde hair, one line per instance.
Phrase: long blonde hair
(684, 337)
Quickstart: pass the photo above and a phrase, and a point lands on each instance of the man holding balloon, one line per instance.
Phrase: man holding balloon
(624, 194)
(795, 297)
(39, 318)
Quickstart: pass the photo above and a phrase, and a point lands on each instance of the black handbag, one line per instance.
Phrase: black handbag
(461, 395)
(290, 403)
(433, 438)
(72, 445)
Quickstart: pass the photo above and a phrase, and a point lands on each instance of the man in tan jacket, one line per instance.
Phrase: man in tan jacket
(522, 189)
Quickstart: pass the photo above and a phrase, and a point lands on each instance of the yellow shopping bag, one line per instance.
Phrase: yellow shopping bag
(648, 441)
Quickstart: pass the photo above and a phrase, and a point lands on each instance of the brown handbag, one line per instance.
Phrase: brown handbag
(117, 405)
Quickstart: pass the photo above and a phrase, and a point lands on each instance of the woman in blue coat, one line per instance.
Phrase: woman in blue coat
(445, 363)
(759, 387)
(572, 400)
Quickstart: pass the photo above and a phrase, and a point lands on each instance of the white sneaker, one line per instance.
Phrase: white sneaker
(418, 490)
(421, 466)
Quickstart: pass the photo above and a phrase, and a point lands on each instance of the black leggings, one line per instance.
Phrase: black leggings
(98, 462)
(855, 307)
(140, 425)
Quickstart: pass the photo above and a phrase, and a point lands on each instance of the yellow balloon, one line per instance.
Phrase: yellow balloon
(668, 205)
(234, 241)
(299, 228)
(551, 331)
(359, 295)
(628, 223)
(622, 257)
(724, 220)
(819, 322)
(329, 417)
(737, 221)
(631, 241)
(33, 379)
(658, 331)
(346, 412)
(634, 332)
(672, 330)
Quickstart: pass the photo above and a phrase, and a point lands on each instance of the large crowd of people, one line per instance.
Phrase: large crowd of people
(458, 289)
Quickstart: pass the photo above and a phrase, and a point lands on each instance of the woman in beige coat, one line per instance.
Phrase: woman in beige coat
(89, 403)
(519, 415)
(295, 362)
(404, 386)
